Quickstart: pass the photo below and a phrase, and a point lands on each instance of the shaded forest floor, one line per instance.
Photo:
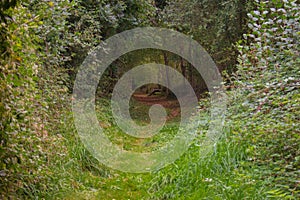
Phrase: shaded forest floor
(171, 104)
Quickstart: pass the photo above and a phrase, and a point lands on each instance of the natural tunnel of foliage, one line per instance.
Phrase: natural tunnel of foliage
(255, 44)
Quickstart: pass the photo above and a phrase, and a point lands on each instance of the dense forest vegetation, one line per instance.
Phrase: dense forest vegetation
(255, 44)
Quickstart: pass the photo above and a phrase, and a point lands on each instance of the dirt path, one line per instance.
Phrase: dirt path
(171, 104)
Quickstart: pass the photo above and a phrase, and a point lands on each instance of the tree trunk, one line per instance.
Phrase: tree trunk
(191, 77)
(167, 73)
(183, 68)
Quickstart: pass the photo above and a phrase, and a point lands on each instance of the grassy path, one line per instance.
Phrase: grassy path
(219, 175)
(96, 180)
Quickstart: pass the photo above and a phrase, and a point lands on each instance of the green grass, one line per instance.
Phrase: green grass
(222, 174)
(225, 173)
(228, 171)
(140, 115)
